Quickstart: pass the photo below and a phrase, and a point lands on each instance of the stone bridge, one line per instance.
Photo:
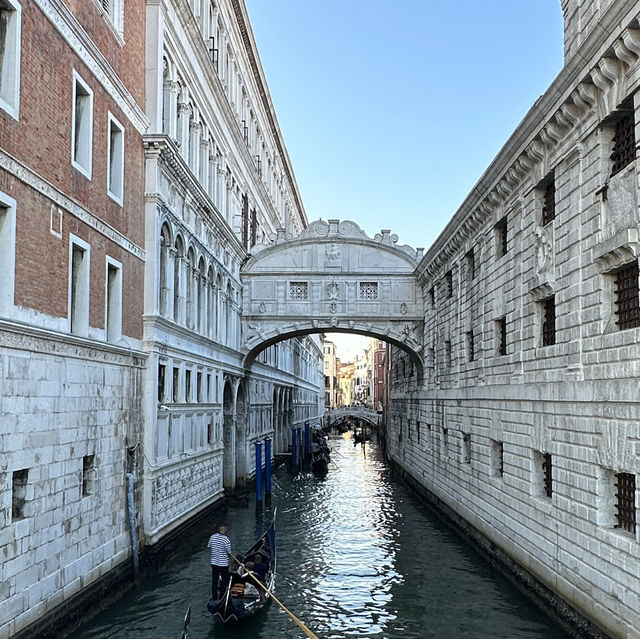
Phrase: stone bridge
(361, 412)
(332, 278)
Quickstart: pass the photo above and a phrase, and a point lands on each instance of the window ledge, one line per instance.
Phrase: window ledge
(616, 251)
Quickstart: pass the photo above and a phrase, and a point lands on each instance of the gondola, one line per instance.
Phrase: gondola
(320, 460)
(231, 609)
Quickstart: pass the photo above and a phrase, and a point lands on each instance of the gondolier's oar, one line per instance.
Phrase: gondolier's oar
(270, 593)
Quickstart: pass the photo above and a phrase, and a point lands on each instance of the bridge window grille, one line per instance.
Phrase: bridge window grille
(448, 283)
(549, 321)
(470, 350)
(501, 237)
(549, 201)
(627, 299)
(624, 144)
(547, 474)
(368, 290)
(299, 291)
(626, 502)
(501, 335)
(88, 474)
(19, 483)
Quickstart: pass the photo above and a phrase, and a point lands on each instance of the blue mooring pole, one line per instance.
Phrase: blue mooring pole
(294, 446)
(267, 465)
(307, 444)
(258, 471)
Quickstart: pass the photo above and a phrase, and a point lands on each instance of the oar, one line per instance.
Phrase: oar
(270, 593)
(187, 621)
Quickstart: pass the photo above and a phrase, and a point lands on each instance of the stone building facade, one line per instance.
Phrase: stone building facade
(140, 161)
(526, 424)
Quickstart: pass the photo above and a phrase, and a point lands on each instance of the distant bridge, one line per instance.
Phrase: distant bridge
(360, 412)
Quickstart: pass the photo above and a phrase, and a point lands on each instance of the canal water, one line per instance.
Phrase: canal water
(358, 556)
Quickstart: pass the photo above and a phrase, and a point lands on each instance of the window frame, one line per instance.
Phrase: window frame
(10, 100)
(111, 310)
(82, 328)
(7, 253)
(85, 170)
(117, 196)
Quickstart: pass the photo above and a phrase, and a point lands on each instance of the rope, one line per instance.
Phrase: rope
(270, 593)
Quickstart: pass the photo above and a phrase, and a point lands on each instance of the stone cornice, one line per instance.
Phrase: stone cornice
(591, 82)
(76, 37)
(23, 173)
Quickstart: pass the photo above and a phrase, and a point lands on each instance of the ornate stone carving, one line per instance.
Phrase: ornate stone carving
(543, 250)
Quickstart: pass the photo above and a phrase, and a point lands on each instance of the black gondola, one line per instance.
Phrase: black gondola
(231, 609)
(320, 460)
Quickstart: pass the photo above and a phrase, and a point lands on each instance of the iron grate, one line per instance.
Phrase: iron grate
(627, 299)
(626, 502)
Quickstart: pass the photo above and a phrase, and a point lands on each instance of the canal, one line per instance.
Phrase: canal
(358, 556)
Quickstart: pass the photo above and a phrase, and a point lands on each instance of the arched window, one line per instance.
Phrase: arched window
(191, 292)
(202, 296)
(178, 294)
(211, 303)
(166, 276)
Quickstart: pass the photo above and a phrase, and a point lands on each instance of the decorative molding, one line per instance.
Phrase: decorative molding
(33, 180)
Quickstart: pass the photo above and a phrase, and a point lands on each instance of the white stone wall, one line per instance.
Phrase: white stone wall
(485, 425)
(62, 400)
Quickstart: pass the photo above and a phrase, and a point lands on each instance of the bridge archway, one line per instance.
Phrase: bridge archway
(333, 278)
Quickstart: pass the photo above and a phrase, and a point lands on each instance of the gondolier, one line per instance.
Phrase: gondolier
(220, 546)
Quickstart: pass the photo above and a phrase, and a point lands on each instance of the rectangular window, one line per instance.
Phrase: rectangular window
(199, 387)
(626, 502)
(209, 434)
(547, 474)
(368, 290)
(448, 283)
(113, 301)
(418, 431)
(470, 260)
(19, 493)
(208, 398)
(501, 336)
(115, 166)
(88, 475)
(624, 143)
(176, 384)
(187, 385)
(81, 126)
(471, 355)
(113, 12)
(79, 287)
(627, 299)
(10, 19)
(162, 372)
(549, 321)
(466, 448)
(432, 296)
(7, 252)
(299, 290)
(447, 354)
(497, 458)
(548, 199)
(501, 238)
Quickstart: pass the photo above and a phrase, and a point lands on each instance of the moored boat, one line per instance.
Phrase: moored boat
(234, 607)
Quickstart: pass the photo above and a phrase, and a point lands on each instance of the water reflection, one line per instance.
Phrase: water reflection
(358, 556)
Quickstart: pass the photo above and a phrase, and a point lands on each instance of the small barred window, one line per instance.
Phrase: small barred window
(626, 502)
(549, 321)
(627, 298)
(368, 290)
(549, 201)
(624, 144)
(299, 290)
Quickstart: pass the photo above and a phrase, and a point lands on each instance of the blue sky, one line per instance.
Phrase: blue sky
(391, 111)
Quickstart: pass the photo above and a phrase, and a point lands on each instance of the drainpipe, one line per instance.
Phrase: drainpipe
(132, 524)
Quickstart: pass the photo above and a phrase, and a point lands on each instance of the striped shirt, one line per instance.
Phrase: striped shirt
(220, 549)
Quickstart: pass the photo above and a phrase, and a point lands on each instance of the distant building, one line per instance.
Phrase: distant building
(380, 355)
(331, 369)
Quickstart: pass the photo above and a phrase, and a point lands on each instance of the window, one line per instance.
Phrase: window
(471, 263)
(88, 474)
(448, 283)
(176, 382)
(81, 126)
(501, 336)
(19, 493)
(115, 166)
(625, 494)
(470, 346)
(432, 296)
(497, 458)
(187, 386)
(299, 290)
(199, 387)
(418, 431)
(500, 230)
(624, 143)
(79, 287)
(368, 290)
(7, 252)
(162, 373)
(547, 474)
(445, 442)
(113, 301)
(447, 354)
(627, 299)
(209, 434)
(548, 199)
(113, 12)
(466, 448)
(10, 18)
(548, 321)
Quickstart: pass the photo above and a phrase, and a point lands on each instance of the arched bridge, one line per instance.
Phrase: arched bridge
(360, 412)
(332, 278)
